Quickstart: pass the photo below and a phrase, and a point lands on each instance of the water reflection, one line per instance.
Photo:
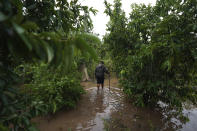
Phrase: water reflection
(110, 110)
(99, 101)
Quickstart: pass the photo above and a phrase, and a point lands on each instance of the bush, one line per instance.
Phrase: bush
(44, 90)
(52, 87)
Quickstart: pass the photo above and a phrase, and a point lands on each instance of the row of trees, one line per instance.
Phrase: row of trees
(155, 50)
(41, 45)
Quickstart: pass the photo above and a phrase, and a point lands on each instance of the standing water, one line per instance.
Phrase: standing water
(106, 109)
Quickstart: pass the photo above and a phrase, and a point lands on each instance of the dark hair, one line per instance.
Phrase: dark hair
(101, 62)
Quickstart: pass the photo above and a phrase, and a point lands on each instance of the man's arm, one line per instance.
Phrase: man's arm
(105, 70)
(95, 72)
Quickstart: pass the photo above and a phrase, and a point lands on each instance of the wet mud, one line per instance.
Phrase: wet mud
(109, 110)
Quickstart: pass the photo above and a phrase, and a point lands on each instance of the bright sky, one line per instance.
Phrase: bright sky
(100, 20)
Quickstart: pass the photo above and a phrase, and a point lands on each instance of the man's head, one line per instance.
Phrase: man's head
(101, 62)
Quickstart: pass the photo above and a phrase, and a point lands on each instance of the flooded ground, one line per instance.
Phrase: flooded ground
(109, 110)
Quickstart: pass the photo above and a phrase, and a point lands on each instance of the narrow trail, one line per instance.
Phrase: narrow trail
(106, 109)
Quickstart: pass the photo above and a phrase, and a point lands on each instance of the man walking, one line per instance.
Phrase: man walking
(99, 74)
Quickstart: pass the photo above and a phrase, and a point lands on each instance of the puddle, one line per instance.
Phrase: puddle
(106, 109)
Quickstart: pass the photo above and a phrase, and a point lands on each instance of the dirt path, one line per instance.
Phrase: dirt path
(106, 109)
(113, 83)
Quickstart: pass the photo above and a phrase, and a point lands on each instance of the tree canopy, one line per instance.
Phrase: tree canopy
(159, 44)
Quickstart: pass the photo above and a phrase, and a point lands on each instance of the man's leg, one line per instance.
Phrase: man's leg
(97, 79)
(102, 83)
(98, 86)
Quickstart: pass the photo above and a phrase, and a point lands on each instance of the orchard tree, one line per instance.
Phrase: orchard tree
(158, 45)
(117, 39)
(34, 31)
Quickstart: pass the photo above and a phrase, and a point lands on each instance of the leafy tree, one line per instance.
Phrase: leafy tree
(59, 14)
(117, 39)
(157, 51)
(34, 31)
(86, 63)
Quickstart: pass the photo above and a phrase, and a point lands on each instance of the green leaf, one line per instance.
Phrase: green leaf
(81, 44)
(50, 53)
(2, 17)
(166, 64)
(28, 25)
(54, 107)
(19, 16)
(26, 120)
(20, 31)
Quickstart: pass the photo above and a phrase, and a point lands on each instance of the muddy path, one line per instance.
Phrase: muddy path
(109, 110)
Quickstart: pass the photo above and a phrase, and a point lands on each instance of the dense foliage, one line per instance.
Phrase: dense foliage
(86, 59)
(154, 50)
(54, 89)
(44, 42)
(33, 32)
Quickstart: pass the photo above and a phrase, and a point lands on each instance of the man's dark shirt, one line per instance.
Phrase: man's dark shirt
(100, 71)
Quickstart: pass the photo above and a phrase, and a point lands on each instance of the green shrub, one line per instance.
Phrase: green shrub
(2, 128)
(52, 87)
(25, 35)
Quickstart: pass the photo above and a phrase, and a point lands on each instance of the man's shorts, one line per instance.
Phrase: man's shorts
(100, 80)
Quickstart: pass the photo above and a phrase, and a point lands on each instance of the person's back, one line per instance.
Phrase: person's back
(99, 74)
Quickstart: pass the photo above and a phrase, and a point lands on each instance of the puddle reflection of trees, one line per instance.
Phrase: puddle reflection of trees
(175, 118)
(110, 110)
(124, 116)
(81, 118)
(94, 104)
(129, 117)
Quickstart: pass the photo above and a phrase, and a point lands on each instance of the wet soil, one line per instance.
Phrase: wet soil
(108, 109)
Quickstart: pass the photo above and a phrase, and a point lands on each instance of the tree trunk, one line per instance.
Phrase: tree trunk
(85, 76)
